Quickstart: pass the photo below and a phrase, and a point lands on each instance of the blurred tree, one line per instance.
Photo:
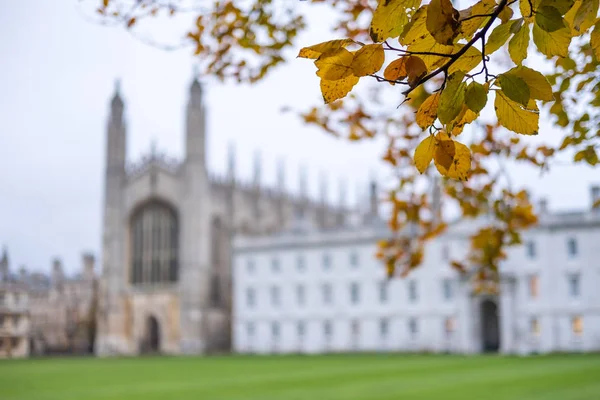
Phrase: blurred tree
(438, 60)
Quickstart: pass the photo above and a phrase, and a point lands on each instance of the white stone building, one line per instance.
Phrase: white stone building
(313, 291)
(166, 276)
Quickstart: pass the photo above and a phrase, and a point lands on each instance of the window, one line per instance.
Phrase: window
(154, 244)
(449, 325)
(300, 294)
(534, 327)
(530, 249)
(533, 286)
(326, 261)
(2, 297)
(354, 293)
(447, 289)
(572, 247)
(355, 328)
(275, 265)
(300, 262)
(275, 330)
(577, 325)
(275, 296)
(574, 285)
(413, 328)
(354, 259)
(383, 327)
(250, 329)
(327, 329)
(383, 292)
(215, 291)
(2, 319)
(250, 266)
(412, 291)
(326, 290)
(250, 297)
(300, 328)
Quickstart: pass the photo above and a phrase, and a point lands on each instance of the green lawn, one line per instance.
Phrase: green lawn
(564, 377)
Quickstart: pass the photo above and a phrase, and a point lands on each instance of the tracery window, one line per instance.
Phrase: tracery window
(154, 244)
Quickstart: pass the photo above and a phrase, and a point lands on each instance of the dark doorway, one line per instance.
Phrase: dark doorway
(152, 335)
(490, 330)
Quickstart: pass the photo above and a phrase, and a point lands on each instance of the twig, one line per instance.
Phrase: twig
(424, 53)
(463, 50)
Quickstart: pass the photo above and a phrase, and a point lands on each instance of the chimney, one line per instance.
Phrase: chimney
(88, 265)
(595, 195)
(57, 272)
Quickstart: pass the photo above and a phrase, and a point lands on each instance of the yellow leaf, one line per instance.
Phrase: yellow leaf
(466, 116)
(442, 21)
(418, 39)
(368, 60)
(389, 18)
(424, 153)
(525, 8)
(471, 25)
(416, 69)
(452, 98)
(582, 16)
(515, 117)
(333, 90)
(506, 14)
(428, 44)
(416, 29)
(335, 65)
(467, 61)
(595, 40)
(552, 43)
(427, 113)
(539, 88)
(476, 97)
(131, 22)
(518, 45)
(396, 70)
(498, 37)
(452, 159)
(317, 50)
(562, 6)
(515, 88)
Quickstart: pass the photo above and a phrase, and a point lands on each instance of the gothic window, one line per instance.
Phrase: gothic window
(530, 249)
(216, 241)
(354, 259)
(215, 291)
(447, 289)
(534, 327)
(413, 328)
(577, 325)
(383, 327)
(574, 285)
(383, 292)
(154, 244)
(326, 290)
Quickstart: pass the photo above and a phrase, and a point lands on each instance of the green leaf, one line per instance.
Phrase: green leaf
(476, 97)
(517, 47)
(539, 87)
(498, 37)
(515, 117)
(452, 98)
(549, 18)
(515, 88)
(552, 43)
(561, 5)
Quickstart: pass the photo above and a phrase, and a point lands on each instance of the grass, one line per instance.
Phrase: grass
(348, 377)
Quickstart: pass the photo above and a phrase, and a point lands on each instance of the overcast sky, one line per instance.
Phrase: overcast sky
(57, 74)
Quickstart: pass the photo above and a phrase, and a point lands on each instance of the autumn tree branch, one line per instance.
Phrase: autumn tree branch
(463, 50)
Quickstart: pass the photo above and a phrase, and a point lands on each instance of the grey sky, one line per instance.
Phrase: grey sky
(57, 75)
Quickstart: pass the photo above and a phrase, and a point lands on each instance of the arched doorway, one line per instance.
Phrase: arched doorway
(152, 335)
(490, 330)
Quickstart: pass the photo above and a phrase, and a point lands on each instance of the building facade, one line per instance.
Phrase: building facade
(57, 312)
(14, 314)
(315, 291)
(168, 224)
